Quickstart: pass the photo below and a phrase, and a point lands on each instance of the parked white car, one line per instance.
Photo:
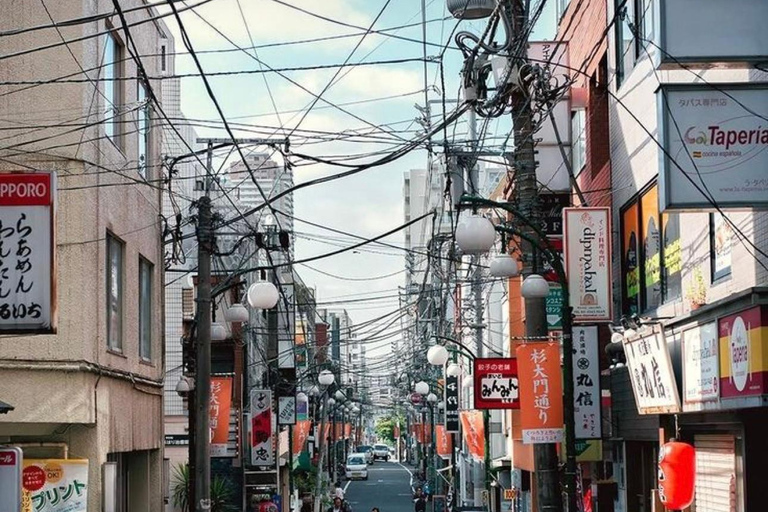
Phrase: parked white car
(356, 467)
(380, 451)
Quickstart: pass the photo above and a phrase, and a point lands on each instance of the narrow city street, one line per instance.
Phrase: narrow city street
(388, 488)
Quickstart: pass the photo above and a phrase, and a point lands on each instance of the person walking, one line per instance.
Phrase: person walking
(338, 505)
(420, 504)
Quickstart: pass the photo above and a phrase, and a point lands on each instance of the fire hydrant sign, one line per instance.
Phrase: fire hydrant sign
(496, 384)
(26, 251)
(541, 392)
(588, 263)
(11, 461)
(55, 485)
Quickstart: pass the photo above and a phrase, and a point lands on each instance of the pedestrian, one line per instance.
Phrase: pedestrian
(420, 504)
(338, 505)
(375, 509)
(338, 492)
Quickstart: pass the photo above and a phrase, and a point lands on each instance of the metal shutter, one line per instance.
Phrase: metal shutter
(715, 473)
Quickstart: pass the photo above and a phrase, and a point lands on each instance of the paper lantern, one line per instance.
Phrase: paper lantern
(677, 475)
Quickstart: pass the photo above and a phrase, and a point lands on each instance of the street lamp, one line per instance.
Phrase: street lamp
(302, 397)
(432, 398)
(535, 287)
(453, 370)
(314, 390)
(331, 402)
(326, 378)
(340, 397)
(437, 355)
(504, 265)
(185, 385)
(471, 9)
(218, 332)
(263, 295)
(475, 234)
(421, 388)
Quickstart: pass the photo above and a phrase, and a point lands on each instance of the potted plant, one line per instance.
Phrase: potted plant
(221, 491)
(696, 291)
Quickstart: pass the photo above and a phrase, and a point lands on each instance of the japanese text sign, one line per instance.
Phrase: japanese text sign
(541, 392)
(496, 385)
(26, 251)
(286, 410)
(300, 435)
(55, 485)
(451, 404)
(701, 367)
(587, 238)
(443, 442)
(586, 382)
(650, 371)
(11, 463)
(473, 431)
(221, 403)
(262, 440)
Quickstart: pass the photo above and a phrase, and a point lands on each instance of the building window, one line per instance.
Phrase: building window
(561, 6)
(720, 247)
(651, 257)
(112, 73)
(626, 50)
(146, 271)
(163, 57)
(143, 127)
(115, 249)
(578, 140)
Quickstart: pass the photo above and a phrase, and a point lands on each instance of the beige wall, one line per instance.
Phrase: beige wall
(52, 380)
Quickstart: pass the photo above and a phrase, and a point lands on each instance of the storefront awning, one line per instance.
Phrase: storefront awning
(5, 408)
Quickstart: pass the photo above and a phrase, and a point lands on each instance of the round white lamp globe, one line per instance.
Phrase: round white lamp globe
(475, 234)
(453, 370)
(218, 332)
(325, 378)
(263, 295)
(437, 355)
(504, 265)
(535, 287)
(421, 388)
(236, 313)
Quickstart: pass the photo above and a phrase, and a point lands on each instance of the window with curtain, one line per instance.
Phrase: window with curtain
(112, 73)
(145, 309)
(115, 250)
(578, 140)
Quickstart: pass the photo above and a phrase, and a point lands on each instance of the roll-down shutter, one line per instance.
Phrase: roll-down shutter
(715, 473)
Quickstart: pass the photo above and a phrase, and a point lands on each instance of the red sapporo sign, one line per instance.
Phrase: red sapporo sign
(496, 385)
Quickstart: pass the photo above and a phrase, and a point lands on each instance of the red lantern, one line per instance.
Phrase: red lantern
(267, 506)
(677, 475)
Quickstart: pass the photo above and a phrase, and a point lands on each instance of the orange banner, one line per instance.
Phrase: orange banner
(220, 405)
(348, 430)
(474, 433)
(300, 435)
(541, 392)
(444, 442)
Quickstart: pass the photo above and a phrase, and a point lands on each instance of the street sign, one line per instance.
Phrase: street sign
(555, 307)
(11, 463)
(496, 385)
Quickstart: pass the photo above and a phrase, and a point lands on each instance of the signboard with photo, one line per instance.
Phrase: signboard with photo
(650, 371)
(496, 384)
(587, 238)
(716, 140)
(26, 252)
(701, 371)
(586, 382)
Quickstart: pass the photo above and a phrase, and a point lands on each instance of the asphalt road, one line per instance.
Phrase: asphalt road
(388, 488)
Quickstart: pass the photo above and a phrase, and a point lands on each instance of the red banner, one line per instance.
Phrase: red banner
(444, 442)
(474, 433)
(300, 435)
(220, 405)
(347, 430)
(496, 385)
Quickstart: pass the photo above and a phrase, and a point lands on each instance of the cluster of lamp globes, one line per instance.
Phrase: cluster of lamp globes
(325, 379)
(437, 355)
(475, 235)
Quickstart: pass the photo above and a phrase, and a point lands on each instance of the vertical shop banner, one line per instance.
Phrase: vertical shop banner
(743, 360)
(587, 237)
(302, 410)
(347, 430)
(496, 383)
(555, 307)
(26, 252)
(300, 436)
(11, 466)
(220, 406)
(452, 404)
(262, 440)
(286, 410)
(650, 371)
(701, 364)
(541, 392)
(286, 327)
(586, 382)
(443, 442)
(473, 432)
(55, 485)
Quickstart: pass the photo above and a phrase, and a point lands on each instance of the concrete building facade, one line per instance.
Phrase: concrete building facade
(93, 388)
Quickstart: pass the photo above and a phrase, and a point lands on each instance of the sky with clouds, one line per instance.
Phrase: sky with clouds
(369, 203)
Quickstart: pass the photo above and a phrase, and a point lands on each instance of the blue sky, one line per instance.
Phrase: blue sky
(369, 203)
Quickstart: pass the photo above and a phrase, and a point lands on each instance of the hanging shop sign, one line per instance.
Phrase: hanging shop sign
(27, 299)
(55, 485)
(11, 464)
(587, 236)
(586, 382)
(451, 404)
(262, 440)
(300, 435)
(286, 326)
(541, 392)
(650, 371)
(551, 206)
(701, 364)
(496, 383)
(473, 432)
(555, 307)
(286, 410)
(715, 142)
(220, 406)
(743, 360)
(443, 442)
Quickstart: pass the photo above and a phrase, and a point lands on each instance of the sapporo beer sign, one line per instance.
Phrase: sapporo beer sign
(496, 385)
(26, 252)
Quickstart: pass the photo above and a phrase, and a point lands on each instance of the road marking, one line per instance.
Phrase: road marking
(345, 487)
(409, 473)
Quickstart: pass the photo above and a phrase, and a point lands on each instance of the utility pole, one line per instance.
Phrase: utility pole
(205, 241)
